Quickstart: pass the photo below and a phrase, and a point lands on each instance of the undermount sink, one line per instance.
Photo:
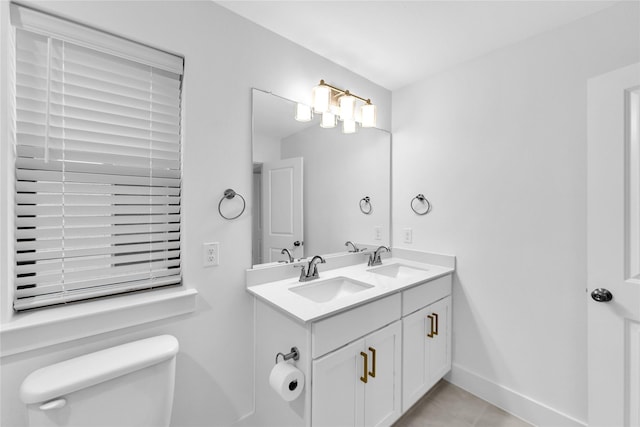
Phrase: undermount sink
(397, 271)
(330, 289)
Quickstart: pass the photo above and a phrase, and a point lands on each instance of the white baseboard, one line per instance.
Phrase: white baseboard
(521, 406)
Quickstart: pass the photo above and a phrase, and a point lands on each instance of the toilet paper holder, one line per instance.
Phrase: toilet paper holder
(294, 354)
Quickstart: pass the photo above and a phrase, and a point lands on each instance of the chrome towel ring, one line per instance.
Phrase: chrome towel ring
(230, 194)
(365, 205)
(424, 201)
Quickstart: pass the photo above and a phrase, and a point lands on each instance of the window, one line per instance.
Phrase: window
(98, 163)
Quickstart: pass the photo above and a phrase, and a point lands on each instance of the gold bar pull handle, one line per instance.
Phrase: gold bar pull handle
(365, 365)
(372, 373)
(431, 334)
(436, 316)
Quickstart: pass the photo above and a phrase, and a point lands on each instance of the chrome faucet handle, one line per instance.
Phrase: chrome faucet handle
(303, 272)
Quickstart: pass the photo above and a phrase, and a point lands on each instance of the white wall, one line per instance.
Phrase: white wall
(266, 148)
(498, 145)
(339, 170)
(225, 57)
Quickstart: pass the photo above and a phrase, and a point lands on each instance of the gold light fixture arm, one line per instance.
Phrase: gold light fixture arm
(344, 92)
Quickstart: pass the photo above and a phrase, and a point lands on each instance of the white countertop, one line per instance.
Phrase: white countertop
(278, 293)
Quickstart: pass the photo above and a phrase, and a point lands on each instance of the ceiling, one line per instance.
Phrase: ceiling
(395, 43)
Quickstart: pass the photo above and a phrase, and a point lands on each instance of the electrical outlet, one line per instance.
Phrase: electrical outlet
(210, 254)
(408, 235)
(377, 232)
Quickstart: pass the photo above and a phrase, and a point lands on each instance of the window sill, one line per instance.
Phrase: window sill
(38, 329)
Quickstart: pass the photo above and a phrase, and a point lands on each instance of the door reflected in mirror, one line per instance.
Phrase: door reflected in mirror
(311, 185)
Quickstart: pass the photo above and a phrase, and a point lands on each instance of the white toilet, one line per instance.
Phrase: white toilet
(128, 385)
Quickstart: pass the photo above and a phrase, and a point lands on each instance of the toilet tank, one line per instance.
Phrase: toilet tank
(128, 385)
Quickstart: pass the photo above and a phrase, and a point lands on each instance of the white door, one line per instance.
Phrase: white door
(337, 395)
(282, 209)
(382, 391)
(613, 248)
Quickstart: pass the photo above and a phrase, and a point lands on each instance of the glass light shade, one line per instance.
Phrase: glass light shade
(348, 126)
(321, 98)
(347, 108)
(328, 120)
(303, 113)
(369, 116)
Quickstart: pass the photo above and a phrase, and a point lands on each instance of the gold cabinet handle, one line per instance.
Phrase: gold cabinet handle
(431, 334)
(436, 316)
(373, 362)
(365, 365)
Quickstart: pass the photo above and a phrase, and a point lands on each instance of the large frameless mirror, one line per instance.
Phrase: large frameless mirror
(316, 188)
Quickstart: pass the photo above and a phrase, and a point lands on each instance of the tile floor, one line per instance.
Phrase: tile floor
(446, 405)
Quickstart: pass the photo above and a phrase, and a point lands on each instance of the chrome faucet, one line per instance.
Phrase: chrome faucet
(286, 251)
(311, 271)
(355, 248)
(374, 258)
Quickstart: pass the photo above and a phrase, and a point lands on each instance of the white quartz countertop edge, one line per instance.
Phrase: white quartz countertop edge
(304, 310)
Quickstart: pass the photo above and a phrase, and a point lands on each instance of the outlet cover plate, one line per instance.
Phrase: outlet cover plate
(407, 234)
(210, 254)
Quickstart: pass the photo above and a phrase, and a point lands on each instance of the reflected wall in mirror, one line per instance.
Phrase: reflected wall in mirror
(308, 183)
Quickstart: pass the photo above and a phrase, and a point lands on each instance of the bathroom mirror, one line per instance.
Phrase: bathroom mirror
(315, 188)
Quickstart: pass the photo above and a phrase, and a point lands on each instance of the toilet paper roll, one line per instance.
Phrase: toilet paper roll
(287, 380)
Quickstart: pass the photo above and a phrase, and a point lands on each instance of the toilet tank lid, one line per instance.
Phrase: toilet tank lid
(90, 369)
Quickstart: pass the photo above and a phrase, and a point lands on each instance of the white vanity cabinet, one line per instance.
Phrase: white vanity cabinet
(365, 364)
(359, 384)
(426, 344)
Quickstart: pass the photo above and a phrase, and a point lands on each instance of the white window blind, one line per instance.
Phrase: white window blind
(98, 163)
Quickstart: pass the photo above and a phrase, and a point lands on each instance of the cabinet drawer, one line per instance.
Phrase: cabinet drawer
(336, 331)
(422, 295)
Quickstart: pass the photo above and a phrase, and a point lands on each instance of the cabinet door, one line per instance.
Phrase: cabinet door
(382, 391)
(426, 350)
(415, 357)
(337, 396)
(440, 341)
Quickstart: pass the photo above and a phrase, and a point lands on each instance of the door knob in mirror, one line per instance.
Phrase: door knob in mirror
(601, 295)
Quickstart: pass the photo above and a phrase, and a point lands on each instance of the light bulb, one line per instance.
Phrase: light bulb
(303, 113)
(328, 120)
(348, 126)
(368, 112)
(320, 98)
(347, 107)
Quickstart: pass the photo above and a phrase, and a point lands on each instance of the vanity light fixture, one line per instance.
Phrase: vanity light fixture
(328, 120)
(303, 113)
(339, 104)
(347, 107)
(369, 115)
(348, 126)
(321, 98)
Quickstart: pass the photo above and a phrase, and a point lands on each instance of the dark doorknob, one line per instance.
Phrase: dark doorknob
(297, 243)
(601, 295)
